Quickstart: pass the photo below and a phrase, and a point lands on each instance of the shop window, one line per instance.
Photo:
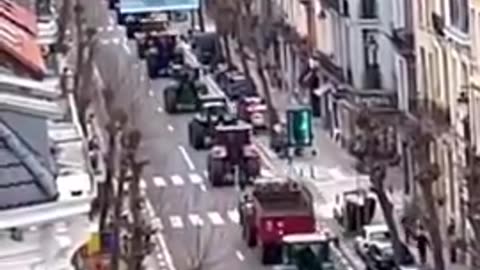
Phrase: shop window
(368, 9)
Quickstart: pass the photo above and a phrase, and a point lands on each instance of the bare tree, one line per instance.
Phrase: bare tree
(224, 15)
(366, 149)
(473, 187)
(63, 24)
(427, 176)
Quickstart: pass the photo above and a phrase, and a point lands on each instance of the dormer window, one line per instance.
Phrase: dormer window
(459, 15)
(368, 9)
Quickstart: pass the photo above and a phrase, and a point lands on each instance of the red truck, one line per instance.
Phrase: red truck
(275, 208)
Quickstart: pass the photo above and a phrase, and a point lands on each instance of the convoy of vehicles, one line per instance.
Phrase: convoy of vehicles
(201, 129)
(275, 208)
(277, 215)
(185, 94)
(233, 157)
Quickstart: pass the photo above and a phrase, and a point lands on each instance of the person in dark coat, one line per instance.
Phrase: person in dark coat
(422, 244)
(451, 240)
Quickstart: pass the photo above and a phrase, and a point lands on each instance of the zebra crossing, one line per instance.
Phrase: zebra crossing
(179, 180)
(213, 218)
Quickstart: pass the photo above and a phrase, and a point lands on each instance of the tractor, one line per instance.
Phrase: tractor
(201, 128)
(161, 53)
(233, 159)
(185, 93)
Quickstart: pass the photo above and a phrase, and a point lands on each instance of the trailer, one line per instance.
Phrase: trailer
(275, 208)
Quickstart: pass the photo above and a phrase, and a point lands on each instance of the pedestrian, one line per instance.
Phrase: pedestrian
(406, 230)
(452, 240)
(422, 244)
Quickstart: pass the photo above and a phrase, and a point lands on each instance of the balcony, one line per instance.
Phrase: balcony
(404, 40)
(430, 112)
(372, 77)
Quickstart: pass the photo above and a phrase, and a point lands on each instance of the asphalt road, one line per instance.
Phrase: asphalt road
(199, 222)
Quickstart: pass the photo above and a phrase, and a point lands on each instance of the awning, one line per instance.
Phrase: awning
(146, 6)
(19, 15)
(22, 46)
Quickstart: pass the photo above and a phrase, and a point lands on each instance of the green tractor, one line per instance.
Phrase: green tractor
(184, 95)
(201, 129)
(311, 251)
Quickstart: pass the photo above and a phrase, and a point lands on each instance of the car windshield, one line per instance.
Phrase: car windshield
(380, 236)
(308, 255)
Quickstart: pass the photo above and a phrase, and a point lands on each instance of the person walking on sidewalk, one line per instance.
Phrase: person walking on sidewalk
(422, 244)
(452, 240)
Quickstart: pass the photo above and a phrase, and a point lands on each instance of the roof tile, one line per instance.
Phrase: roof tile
(21, 44)
(19, 16)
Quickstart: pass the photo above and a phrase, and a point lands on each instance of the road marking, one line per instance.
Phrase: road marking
(100, 29)
(143, 184)
(105, 41)
(176, 222)
(203, 187)
(168, 256)
(157, 223)
(116, 41)
(111, 21)
(177, 180)
(110, 28)
(337, 174)
(150, 92)
(159, 181)
(162, 264)
(234, 216)
(196, 220)
(195, 178)
(170, 128)
(186, 157)
(215, 218)
(160, 256)
(159, 109)
(205, 173)
(239, 255)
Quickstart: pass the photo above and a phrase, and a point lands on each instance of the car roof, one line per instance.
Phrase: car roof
(375, 228)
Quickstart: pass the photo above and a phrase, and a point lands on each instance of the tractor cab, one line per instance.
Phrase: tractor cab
(185, 94)
(310, 251)
(201, 129)
(236, 84)
(160, 50)
(233, 148)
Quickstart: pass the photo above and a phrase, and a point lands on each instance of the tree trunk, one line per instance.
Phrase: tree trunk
(201, 19)
(226, 46)
(388, 209)
(138, 246)
(241, 47)
(63, 21)
(272, 114)
(432, 226)
(106, 195)
(117, 217)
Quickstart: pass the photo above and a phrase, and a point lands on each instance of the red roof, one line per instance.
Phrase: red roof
(19, 15)
(18, 36)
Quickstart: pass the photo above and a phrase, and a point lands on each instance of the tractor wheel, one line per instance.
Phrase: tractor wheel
(169, 97)
(195, 135)
(266, 255)
(215, 171)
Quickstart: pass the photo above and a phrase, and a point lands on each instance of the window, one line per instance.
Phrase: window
(431, 77)
(459, 14)
(420, 14)
(446, 81)
(437, 87)
(368, 9)
(423, 65)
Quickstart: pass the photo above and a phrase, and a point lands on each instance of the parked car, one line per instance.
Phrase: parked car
(372, 234)
(380, 256)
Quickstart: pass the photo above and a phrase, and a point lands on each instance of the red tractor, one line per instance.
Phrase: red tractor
(253, 110)
(233, 156)
(275, 208)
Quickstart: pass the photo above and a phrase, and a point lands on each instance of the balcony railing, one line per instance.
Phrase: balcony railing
(333, 4)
